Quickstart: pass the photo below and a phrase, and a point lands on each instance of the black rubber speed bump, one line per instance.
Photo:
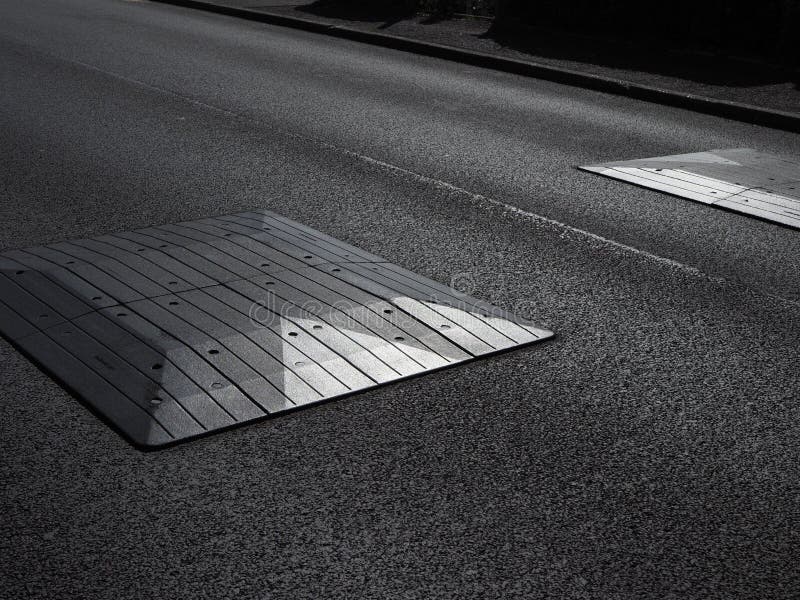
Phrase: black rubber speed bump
(176, 331)
(742, 180)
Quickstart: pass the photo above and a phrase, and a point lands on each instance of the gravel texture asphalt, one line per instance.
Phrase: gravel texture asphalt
(650, 451)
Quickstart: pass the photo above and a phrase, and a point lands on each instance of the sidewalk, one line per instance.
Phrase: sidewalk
(730, 80)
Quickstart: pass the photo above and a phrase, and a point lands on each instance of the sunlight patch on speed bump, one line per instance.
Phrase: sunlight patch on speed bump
(743, 180)
(176, 331)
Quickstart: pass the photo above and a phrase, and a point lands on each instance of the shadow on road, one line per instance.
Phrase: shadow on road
(656, 56)
(699, 66)
(387, 13)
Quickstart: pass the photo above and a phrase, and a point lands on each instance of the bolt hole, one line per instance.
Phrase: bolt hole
(122, 314)
(216, 385)
(20, 272)
(227, 235)
(43, 316)
(67, 332)
(308, 256)
(140, 249)
(400, 338)
(213, 351)
(317, 327)
(156, 401)
(335, 270)
(173, 303)
(157, 367)
(269, 283)
(444, 326)
(266, 228)
(97, 297)
(388, 311)
(299, 363)
(264, 264)
(293, 333)
(163, 246)
(173, 283)
(70, 262)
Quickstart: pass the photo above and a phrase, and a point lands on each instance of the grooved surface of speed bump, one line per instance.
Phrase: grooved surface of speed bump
(747, 181)
(176, 331)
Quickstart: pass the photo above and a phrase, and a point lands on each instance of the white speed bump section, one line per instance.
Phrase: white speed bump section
(743, 180)
(177, 331)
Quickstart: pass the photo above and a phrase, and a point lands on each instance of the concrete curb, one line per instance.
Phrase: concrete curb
(747, 113)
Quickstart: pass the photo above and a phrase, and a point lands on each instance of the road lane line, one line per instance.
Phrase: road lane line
(515, 210)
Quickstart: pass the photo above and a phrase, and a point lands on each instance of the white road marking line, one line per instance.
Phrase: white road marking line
(510, 208)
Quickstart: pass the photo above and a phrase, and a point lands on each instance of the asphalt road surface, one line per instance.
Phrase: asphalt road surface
(650, 451)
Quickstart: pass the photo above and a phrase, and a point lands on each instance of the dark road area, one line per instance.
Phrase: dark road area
(649, 451)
